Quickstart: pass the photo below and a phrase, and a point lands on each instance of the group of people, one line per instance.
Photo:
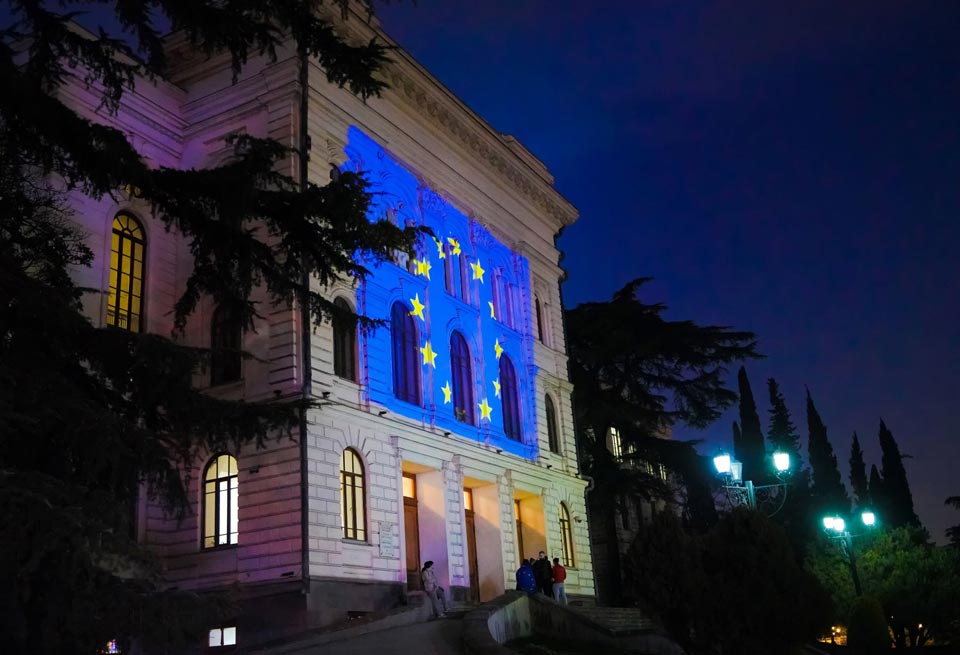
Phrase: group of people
(536, 575)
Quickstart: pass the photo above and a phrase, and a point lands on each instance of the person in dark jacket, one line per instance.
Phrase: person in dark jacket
(525, 578)
(543, 572)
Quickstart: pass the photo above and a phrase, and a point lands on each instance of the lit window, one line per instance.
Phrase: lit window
(553, 438)
(353, 516)
(344, 343)
(614, 444)
(226, 337)
(127, 254)
(510, 397)
(462, 379)
(220, 637)
(409, 485)
(406, 354)
(468, 500)
(566, 536)
(220, 521)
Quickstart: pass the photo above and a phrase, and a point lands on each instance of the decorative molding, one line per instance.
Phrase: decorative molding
(417, 97)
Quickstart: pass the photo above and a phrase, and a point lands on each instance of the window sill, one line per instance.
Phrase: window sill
(356, 542)
(219, 549)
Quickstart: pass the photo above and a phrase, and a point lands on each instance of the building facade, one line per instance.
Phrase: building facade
(446, 435)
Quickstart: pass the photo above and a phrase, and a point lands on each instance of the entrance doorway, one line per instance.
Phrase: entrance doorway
(411, 531)
(471, 545)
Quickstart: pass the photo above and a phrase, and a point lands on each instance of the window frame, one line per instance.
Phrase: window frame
(461, 372)
(223, 359)
(566, 537)
(353, 480)
(405, 351)
(345, 353)
(553, 426)
(510, 399)
(232, 491)
(119, 234)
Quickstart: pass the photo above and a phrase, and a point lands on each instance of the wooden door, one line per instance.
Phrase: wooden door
(472, 557)
(411, 531)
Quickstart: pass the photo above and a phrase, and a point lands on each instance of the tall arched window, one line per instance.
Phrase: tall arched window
(510, 397)
(553, 438)
(566, 536)
(536, 304)
(406, 351)
(127, 254)
(344, 343)
(462, 378)
(220, 495)
(353, 515)
(226, 338)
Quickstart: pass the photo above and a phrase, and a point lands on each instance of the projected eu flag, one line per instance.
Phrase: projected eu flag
(458, 350)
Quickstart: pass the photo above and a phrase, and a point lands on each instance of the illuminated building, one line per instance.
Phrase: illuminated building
(446, 435)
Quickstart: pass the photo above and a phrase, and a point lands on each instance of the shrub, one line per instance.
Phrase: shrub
(867, 631)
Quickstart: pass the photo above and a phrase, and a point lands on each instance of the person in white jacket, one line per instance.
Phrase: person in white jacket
(428, 580)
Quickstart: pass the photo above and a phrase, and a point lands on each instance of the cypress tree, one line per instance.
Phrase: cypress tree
(897, 496)
(737, 438)
(875, 491)
(827, 489)
(751, 451)
(782, 433)
(858, 474)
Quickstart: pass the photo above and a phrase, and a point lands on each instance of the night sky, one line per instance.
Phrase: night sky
(790, 170)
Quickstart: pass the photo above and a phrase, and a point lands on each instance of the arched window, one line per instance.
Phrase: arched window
(462, 378)
(566, 536)
(220, 494)
(536, 303)
(510, 397)
(406, 351)
(553, 438)
(226, 338)
(127, 254)
(353, 516)
(344, 343)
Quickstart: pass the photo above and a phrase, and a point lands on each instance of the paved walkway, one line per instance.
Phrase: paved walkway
(440, 637)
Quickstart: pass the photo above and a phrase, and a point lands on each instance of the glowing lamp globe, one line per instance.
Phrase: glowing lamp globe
(722, 464)
(839, 525)
(869, 518)
(828, 522)
(781, 461)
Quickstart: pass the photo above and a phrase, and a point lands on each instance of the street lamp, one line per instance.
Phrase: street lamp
(744, 491)
(836, 528)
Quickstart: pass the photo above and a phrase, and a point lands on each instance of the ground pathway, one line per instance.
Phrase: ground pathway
(440, 637)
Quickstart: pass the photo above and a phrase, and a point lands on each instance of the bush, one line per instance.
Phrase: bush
(867, 631)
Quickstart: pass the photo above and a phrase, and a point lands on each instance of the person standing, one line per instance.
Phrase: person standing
(543, 574)
(525, 578)
(559, 577)
(428, 579)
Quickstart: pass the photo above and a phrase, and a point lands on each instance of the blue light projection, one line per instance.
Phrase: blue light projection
(463, 280)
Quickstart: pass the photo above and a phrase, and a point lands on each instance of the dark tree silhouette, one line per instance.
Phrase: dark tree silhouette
(897, 499)
(752, 451)
(826, 488)
(858, 475)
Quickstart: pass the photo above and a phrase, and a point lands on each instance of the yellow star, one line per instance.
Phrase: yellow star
(446, 392)
(455, 244)
(429, 357)
(418, 307)
(440, 253)
(485, 410)
(492, 314)
(423, 267)
(477, 271)
(497, 348)
(496, 387)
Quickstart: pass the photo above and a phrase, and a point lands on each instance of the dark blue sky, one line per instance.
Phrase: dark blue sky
(790, 169)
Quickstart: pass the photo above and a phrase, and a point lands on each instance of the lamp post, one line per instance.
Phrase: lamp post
(836, 528)
(747, 493)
